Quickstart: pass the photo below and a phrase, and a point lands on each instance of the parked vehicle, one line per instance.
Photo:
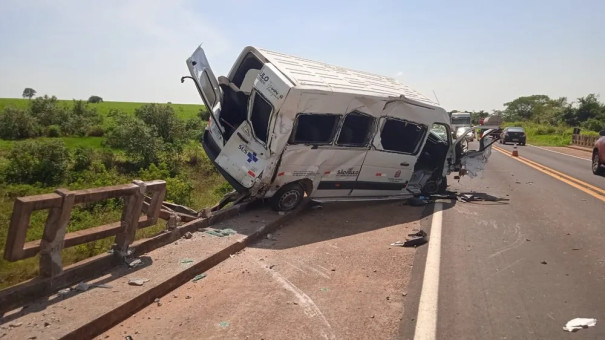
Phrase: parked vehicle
(282, 126)
(598, 155)
(513, 134)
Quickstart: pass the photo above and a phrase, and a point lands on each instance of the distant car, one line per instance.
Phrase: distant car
(598, 155)
(513, 134)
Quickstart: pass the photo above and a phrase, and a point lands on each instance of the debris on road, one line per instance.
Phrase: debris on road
(418, 201)
(16, 324)
(221, 232)
(224, 324)
(579, 323)
(82, 287)
(199, 277)
(135, 263)
(185, 261)
(137, 282)
(188, 235)
(414, 240)
(544, 262)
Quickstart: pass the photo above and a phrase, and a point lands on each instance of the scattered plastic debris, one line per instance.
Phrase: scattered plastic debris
(185, 261)
(221, 232)
(137, 282)
(414, 240)
(579, 323)
(418, 201)
(325, 289)
(188, 235)
(82, 287)
(64, 292)
(199, 277)
(223, 324)
(135, 263)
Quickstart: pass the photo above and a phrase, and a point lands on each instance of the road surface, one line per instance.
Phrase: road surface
(522, 266)
(516, 266)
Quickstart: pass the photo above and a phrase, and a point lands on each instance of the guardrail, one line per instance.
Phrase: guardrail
(59, 205)
(580, 140)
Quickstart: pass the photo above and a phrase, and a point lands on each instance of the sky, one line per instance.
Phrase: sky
(470, 55)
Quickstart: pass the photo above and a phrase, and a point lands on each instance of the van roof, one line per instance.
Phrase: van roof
(311, 74)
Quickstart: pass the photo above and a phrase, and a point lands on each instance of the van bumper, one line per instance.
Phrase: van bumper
(213, 150)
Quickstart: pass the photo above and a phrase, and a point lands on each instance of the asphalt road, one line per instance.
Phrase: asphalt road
(517, 265)
(522, 265)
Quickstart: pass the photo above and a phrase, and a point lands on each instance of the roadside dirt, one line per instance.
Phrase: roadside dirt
(329, 274)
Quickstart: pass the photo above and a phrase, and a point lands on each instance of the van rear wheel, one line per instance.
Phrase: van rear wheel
(288, 197)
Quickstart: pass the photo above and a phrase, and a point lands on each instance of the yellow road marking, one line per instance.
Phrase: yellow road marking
(574, 182)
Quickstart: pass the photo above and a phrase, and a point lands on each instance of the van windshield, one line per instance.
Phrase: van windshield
(461, 120)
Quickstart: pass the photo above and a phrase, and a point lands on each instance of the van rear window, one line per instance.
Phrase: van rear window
(260, 116)
(401, 136)
(355, 130)
(315, 128)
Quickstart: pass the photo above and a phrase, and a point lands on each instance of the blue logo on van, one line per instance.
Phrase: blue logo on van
(252, 157)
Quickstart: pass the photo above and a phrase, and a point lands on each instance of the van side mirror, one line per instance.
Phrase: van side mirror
(602, 133)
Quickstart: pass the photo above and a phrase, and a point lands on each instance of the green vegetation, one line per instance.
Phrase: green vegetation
(551, 121)
(49, 143)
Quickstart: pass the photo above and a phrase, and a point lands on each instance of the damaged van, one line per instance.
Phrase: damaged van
(281, 127)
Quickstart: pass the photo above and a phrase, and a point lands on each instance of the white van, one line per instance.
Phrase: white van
(282, 126)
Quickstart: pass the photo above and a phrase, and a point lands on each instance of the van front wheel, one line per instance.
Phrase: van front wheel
(288, 197)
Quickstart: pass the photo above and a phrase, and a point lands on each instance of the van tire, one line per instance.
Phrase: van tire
(288, 197)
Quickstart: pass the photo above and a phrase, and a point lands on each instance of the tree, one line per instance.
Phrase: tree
(141, 142)
(95, 99)
(29, 92)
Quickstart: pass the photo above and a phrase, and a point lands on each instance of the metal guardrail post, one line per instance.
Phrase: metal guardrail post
(130, 220)
(52, 240)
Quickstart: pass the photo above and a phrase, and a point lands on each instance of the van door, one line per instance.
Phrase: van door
(389, 164)
(207, 86)
(246, 153)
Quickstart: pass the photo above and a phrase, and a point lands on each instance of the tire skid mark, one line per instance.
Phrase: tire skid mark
(309, 307)
(517, 243)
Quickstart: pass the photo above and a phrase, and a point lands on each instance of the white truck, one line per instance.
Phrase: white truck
(460, 122)
(282, 126)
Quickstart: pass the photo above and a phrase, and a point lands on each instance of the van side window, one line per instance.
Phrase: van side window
(356, 130)
(401, 136)
(207, 89)
(315, 128)
(260, 116)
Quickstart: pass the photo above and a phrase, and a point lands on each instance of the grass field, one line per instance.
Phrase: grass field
(183, 111)
(207, 187)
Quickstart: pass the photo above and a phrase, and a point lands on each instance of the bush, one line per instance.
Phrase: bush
(139, 141)
(32, 162)
(594, 124)
(82, 158)
(204, 114)
(95, 131)
(165, 122)
(178, 188)
(48, 111)
(53, 131)
(18, 124)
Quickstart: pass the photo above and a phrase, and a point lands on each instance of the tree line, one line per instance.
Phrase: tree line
(586, 112)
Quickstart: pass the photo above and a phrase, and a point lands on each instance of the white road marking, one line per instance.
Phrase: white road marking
(426, 322)
(561, 153)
